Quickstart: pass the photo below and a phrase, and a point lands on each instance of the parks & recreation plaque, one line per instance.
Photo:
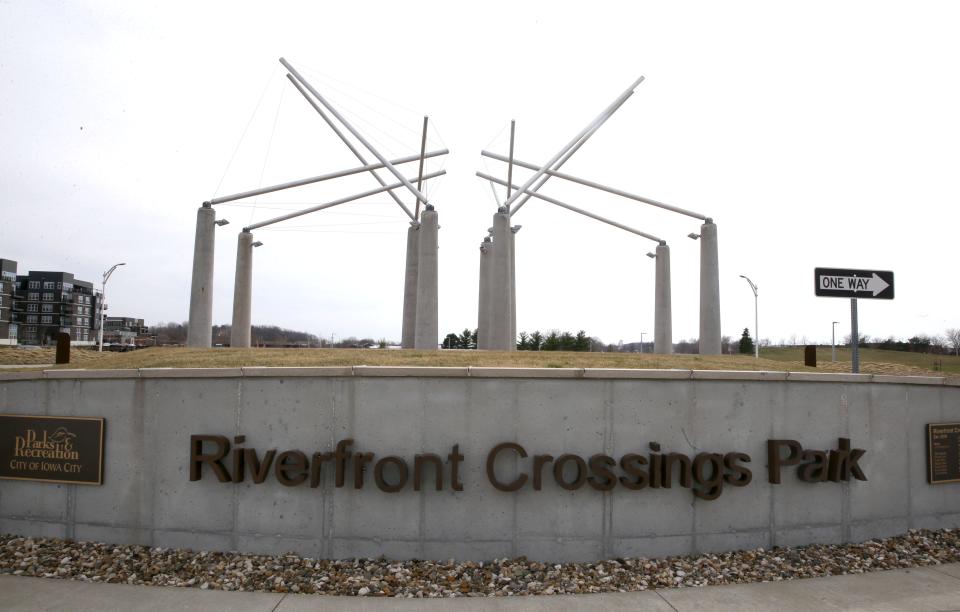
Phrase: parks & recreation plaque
(51, 449)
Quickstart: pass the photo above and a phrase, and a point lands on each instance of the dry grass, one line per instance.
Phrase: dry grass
(40, 356)
(179, 357)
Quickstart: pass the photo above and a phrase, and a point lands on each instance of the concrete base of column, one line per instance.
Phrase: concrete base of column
(662, 311)
(426, 332)
(242, 292)
(710, 339)
(410, 287)
(200, 327)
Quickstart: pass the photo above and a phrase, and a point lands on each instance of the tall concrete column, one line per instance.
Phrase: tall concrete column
(662, 309)
(709, 290)
(242, 292)
(200, 326)
(501, 290)
(426, 330)
(410, 287)
(513, 287)
(483, 306)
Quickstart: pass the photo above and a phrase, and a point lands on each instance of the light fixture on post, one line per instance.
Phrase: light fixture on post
(833, 341)
(651, 256)
(257, 244)
(222, 222)
(756, 333)
(103, 300)
(693, 236)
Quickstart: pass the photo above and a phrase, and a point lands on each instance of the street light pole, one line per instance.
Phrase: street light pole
(103, 299)
(756, 317)
(642, 334)
(833, 341)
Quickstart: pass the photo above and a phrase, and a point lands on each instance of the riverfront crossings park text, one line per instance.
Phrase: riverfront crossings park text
(705, 474)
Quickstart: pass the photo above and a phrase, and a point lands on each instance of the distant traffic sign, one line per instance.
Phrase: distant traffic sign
(844, 283)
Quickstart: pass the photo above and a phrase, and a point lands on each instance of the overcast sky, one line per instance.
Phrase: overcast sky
(813, 133)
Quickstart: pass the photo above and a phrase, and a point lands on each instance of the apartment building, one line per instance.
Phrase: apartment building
(8, 284)
(47, 303)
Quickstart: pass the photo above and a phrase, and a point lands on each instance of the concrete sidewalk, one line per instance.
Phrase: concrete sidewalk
(914, 590)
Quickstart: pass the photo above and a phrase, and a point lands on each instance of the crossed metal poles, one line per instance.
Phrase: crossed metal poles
(420, 323)
(497, 296)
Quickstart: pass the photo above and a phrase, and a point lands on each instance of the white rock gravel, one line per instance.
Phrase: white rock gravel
(96, 562)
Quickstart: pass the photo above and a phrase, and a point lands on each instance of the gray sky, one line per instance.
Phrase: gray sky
(814, 133)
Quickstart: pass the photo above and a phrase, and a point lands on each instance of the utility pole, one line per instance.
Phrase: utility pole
(756, 318)
(103, 300)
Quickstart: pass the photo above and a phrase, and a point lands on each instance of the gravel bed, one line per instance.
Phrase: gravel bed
(96, 562)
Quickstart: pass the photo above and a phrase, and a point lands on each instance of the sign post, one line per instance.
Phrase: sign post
(853, 284)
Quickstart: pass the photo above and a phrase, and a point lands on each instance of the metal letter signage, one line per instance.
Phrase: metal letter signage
(844, 283)
(52, 449)
(943, 452)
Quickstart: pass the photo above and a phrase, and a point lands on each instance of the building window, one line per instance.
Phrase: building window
(59, 285)
(46, 308)
(48, 284)
(86, 300)
(31, 319)
(33, 296)
(46, 319)
(31, 308)
(33, 285)
(47, 297)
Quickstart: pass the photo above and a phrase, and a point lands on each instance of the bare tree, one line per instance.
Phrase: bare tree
(952, 337)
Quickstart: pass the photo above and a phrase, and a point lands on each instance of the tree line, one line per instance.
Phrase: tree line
(271, 335)
(554, 340)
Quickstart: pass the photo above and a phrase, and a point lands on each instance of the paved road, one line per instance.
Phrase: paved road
(914, 590)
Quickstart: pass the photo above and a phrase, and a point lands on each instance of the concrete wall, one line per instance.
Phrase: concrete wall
(148, 498)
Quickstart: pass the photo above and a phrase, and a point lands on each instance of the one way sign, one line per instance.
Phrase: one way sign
(844, 283)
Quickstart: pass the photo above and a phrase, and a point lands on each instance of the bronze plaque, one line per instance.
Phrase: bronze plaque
(943, 452)
(51, 449)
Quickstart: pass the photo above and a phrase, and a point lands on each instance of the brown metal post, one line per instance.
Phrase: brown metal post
(63, 347)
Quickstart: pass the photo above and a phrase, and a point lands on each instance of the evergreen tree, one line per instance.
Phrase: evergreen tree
(451, 341)
(466, 340)
(536, 341)
(524, 343)
(552, 342)
(581, 342)
(746, 342)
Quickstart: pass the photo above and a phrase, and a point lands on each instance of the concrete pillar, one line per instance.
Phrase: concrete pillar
(242, 292)
(410, 287)
(483, 306)
(200, 327)
(426, 331)
(501, 289)
(662, 309)
(709, 290)
(513, 287)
